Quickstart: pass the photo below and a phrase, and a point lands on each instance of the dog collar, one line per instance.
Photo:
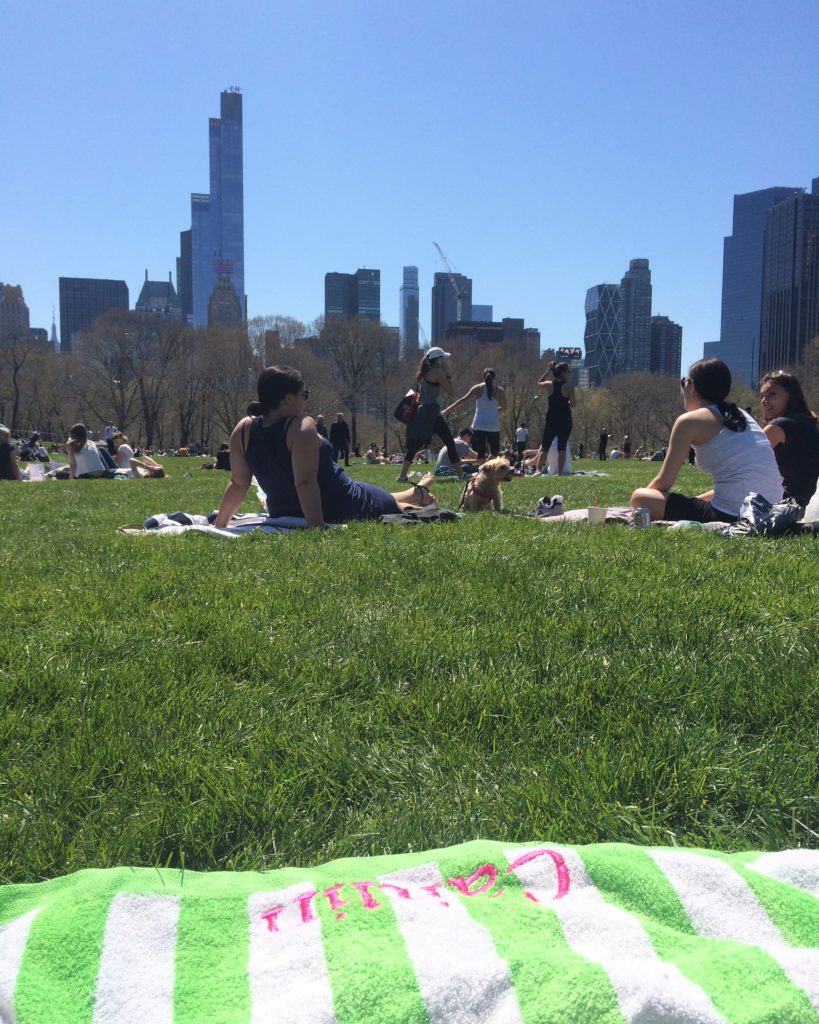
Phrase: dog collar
(481, 494)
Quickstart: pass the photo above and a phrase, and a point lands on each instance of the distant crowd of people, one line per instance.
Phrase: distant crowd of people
(297, 460)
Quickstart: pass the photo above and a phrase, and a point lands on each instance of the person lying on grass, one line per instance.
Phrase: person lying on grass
(792, 428)
(729, 445)
(279, 445)
(145, 467)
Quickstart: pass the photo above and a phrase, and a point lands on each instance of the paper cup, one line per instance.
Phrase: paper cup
(597, 516)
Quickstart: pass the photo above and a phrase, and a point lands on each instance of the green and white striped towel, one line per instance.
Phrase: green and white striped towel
(483, 932)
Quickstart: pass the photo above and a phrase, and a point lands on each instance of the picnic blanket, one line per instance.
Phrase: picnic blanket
(169, 524)
(480, 932)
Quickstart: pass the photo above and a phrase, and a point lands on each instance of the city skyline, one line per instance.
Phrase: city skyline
(532, 221)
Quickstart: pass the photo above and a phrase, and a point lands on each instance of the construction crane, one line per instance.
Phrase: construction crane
(460, 292)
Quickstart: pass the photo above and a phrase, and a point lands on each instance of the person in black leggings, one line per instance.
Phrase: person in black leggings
(560, 392)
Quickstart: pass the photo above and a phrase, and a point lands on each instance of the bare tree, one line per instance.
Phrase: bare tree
(17, 349)
(349, 343)
(267, 332)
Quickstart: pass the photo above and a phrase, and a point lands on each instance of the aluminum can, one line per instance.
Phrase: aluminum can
(642, 518)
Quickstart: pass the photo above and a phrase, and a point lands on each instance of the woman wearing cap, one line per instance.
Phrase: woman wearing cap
(729, 445)
(793, 430)
(486, 421)
(279, 445)
(430, 380)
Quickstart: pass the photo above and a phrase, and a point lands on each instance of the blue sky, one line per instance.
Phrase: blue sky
(542, 145)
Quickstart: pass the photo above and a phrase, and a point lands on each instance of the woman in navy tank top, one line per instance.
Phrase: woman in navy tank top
(279, 445)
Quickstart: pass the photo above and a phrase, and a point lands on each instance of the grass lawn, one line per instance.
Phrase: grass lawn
(279, 700)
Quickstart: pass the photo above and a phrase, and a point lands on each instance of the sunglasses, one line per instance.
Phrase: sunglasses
(682, 382)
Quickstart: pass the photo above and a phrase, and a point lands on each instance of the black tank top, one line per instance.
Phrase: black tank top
(559, 408)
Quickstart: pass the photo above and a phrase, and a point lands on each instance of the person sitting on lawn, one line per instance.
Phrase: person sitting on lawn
(123, 452)
(791, 427)
(730, 447)
(9, 470)
(374, 456)
(463, 446)
(279, 445)
(84, 459)
(221, 459)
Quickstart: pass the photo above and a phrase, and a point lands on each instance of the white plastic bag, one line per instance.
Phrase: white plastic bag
(812, 511)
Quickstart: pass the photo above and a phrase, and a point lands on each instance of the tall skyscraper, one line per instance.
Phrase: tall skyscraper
(742, 282)
(790, 279)
(184, 275)
(357, 294)
(666, 346)
(635, 316)
(14, 314)
(368, 289)
(408, 313)
(445, 303)
(603, 337)
(217, 232)
(82, 300)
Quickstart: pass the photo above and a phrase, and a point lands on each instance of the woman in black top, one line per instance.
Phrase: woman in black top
(792, 428)
(559, 391)
(9, 470)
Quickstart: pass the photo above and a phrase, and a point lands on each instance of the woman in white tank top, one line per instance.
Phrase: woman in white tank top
(489, 400)
(729, 444)
(84, 460)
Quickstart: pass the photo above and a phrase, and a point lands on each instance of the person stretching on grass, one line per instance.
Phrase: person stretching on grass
(279, 445)
(729, 444)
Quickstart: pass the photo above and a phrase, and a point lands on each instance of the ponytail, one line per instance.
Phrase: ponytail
(423, 369)
(732, 416)
(489, 381)
(712, 381)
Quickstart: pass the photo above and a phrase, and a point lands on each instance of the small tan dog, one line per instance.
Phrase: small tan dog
(484, 489)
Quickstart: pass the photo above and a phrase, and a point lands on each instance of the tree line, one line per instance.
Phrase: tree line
(167, 385)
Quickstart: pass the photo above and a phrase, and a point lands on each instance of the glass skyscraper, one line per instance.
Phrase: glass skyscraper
(82, 300)
(603, 337)
(790, 280)
(445, 303)
(739, 336)
(635, 316)
(217, 239)
(408, 313)
(357, 294)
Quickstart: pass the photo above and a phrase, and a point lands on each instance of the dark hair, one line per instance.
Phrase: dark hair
(712, 380)
(797, 403)
(465, 431)
(489, 381)
(77, 437)
(561, 368)
(274, 383)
